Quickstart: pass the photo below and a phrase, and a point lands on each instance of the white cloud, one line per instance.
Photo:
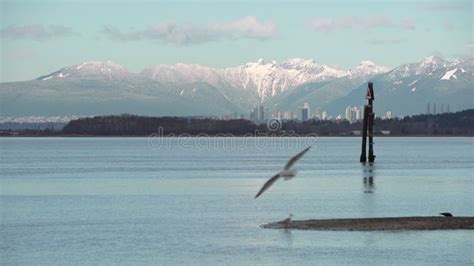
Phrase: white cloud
(186, 33)
(249, 27)
(359, 23)
(35, 32)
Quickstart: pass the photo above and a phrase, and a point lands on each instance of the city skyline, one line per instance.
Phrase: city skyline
(352, 113)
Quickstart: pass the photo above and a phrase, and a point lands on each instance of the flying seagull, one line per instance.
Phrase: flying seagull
(287, 173)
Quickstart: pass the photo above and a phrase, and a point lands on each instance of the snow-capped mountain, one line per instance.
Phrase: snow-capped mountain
(424, 68)
(104, 87)
(267, 80)
(459, 70)
(181, 74)
(407, 89)
(91, 70)
(271, 79)
(366, 69)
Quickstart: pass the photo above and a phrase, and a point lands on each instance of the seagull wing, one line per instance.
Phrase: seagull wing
(295, 158)
(268, 184)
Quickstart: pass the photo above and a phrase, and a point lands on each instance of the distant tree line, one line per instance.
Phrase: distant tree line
(130, 125)
(446, 124)
(458, 123)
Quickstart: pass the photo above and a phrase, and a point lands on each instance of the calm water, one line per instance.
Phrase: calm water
(190, 201)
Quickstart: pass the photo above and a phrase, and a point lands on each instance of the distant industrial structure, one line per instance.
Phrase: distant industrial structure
(442, 111)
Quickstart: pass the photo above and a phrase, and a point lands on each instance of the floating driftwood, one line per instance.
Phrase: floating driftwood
(378, 224)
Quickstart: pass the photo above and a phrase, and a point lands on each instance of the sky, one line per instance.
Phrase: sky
(40, 37)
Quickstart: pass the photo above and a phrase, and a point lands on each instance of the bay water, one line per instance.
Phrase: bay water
(190, 201)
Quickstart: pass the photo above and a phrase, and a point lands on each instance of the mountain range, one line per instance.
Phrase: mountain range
(104, 87)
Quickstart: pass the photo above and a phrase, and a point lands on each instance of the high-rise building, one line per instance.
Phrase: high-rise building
(434, 108)
(266, 113)
(324, 116)
(358, 113)
(447, 109)
(442, 108)
(254, 114)
(261, 113)
(428, 111)
(388, 115)
(349, 113)
(275, 111)
(306, 105)
(353, 114)
(305, 112)
(317, 115)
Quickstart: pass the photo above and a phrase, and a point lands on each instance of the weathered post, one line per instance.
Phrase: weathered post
(371, 137)
(368, 125)
(363, 156)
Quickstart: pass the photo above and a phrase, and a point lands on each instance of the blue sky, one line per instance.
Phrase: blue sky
(39, 37)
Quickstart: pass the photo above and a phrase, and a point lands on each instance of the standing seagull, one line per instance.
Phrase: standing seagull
(287, 222)
(287, 173)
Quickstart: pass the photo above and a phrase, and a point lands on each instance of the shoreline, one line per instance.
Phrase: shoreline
(378, 224)
(224, 135)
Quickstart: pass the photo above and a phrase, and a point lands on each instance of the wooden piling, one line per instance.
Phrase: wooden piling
(363, 156)
(368, 126)
(371, 137)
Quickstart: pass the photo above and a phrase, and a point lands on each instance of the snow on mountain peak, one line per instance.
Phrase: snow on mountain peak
(428, 65)
(450, 74)
(299, 63)
(366, 68)
(366, 63)
(264, 79)
(181, 73)
(91, 69)
(270, 79)
(432, 59)
(107, 68)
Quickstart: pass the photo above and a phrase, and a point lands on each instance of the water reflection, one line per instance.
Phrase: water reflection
(288, 237)
(369, 200)
(368, 172)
